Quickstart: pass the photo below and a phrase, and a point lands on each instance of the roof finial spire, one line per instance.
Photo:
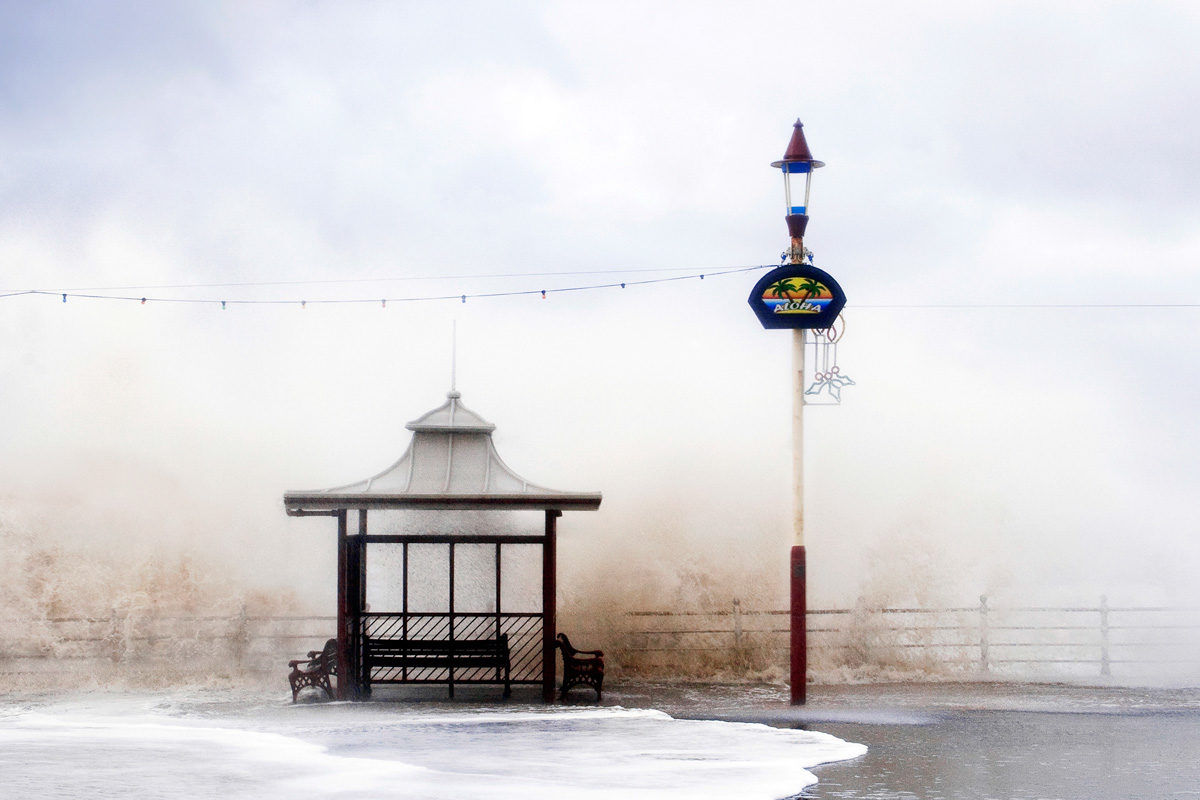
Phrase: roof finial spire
(454, 358)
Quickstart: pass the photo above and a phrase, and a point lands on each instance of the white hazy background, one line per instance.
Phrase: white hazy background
(1010, 153)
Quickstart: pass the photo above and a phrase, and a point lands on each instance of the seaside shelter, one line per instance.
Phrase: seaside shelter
(449, 584)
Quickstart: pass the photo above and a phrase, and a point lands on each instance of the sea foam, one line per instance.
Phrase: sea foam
(128, 746)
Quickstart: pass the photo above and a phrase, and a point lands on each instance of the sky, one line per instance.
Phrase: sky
(980, 156)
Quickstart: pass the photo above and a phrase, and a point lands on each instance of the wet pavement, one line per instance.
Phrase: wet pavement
(975, 740)
(1021, 754)
(933, 741)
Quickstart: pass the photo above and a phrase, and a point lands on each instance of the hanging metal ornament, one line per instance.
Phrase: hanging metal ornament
(827, 377)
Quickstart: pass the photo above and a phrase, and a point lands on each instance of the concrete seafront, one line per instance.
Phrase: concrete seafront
(934, 741)
(945, 741)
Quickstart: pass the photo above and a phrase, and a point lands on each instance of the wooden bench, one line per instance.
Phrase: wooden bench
(314, 670)
(581, 667)
(440, 654)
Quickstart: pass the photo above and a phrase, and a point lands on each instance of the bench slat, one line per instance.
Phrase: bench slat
(439, 654)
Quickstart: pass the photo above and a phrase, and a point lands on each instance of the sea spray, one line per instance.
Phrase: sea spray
(143, 617)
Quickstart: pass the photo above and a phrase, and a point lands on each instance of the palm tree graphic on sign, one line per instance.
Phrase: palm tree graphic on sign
(810, 287)
(786, 290)
(783, 289)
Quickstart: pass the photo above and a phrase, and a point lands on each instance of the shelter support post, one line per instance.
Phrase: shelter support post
(343, 608)
(358, 597)
(549, 605)
(450, 619)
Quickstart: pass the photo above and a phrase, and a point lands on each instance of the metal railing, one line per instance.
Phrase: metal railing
(246, 641)
(1007, 641)
(982, 639)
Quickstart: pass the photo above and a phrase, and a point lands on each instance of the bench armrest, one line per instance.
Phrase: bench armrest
(313, 655)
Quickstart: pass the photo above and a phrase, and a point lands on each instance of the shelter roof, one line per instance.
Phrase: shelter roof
(451, 462)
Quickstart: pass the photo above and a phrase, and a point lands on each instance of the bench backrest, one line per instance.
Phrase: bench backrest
(438, 647)
(564, 644)
(327, 660)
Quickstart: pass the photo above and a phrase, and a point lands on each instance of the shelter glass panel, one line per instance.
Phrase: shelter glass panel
(428, 577)
(474, 577)
(385, 577)
(521, 578)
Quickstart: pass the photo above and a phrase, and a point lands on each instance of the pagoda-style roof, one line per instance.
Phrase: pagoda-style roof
(450, 463)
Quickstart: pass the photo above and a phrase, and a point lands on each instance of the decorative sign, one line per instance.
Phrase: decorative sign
(797, 296)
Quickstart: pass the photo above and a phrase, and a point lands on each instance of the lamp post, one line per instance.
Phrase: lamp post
(798, 160)
(797, 296)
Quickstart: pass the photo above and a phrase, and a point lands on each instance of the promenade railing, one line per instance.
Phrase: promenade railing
(983, 639)
(1001, 640)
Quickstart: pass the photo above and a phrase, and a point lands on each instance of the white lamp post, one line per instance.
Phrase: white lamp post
(798, 161)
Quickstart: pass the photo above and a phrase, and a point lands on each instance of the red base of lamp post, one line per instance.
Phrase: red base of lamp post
(799, 626)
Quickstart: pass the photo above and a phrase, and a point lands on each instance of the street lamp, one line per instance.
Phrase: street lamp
(800, 297)
(798, 160)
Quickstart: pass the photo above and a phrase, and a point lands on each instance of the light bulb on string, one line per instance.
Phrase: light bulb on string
(545, 293)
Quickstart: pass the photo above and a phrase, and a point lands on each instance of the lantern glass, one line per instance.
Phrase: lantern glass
(797, 180)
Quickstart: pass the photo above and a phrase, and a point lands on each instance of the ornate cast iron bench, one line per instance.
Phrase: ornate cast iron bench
(440, 654)
(314, 670)
(581, 667)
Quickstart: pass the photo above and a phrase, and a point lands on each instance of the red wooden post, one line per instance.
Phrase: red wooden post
(549, 605)
(799, 626)
(358, 597)
(343, 608)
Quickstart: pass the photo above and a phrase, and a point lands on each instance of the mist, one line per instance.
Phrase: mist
(1036, 455)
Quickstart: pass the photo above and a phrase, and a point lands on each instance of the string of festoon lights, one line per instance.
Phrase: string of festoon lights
(461, 297)
(105, 293)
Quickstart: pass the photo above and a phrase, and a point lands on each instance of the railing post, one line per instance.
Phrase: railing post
(114, 635)
(983, 633)
(737, 624)
(241, 636)
(1104, 662)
